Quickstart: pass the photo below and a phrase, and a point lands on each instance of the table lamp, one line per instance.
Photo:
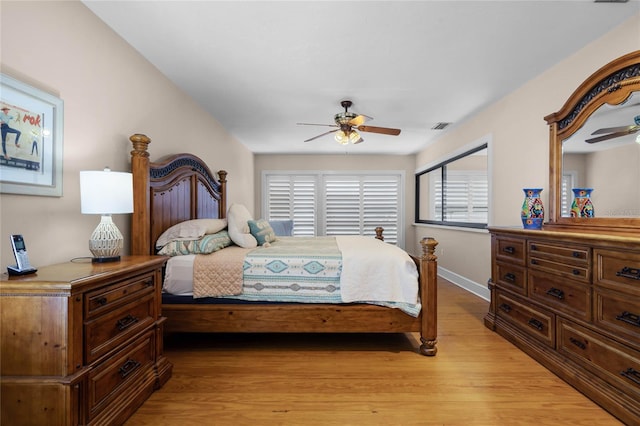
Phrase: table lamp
(106, 193)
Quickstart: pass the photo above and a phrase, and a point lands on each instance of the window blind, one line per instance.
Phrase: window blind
(466, 197)
(349, 203)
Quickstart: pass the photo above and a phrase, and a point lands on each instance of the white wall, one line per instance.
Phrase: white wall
(519, 152)
(110, 92)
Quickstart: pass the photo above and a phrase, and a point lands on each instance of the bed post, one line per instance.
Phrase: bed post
(222, 180)
(141, 217)
(429, 297)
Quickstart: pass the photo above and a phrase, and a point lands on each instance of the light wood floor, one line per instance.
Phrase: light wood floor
(477, 378)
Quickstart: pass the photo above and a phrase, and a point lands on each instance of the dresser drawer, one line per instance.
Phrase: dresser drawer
(531, 319)
(120, 376)
(568, 296)
(106, 332)
(618, 270)
(512, 277)
(617, 312)
(512, 250)
(110, 297)
(569, 254)
(617, 364)
(575, 272)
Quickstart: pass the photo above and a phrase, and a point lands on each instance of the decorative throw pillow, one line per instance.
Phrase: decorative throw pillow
(205, 245)
(191, 230)
(238, 218)
(262, 231)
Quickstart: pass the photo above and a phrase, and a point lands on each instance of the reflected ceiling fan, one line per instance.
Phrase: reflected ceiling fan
(347, 126)
(616, 132)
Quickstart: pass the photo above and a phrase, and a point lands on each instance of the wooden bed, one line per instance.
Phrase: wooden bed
(181, 187)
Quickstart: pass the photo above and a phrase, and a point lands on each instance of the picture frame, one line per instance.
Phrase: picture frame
(32, 139)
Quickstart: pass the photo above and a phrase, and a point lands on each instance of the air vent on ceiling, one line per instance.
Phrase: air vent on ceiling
(610, 1)
(440, 126)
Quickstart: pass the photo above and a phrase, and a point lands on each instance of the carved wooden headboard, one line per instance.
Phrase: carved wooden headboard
(173, 189)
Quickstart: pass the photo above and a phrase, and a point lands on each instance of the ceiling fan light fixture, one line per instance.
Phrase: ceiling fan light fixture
(354, 137)
(344, 137)
(341, 137)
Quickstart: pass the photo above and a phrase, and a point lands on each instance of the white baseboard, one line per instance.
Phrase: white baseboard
(479, 290)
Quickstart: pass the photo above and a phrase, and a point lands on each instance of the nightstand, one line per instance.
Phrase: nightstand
(81, 343)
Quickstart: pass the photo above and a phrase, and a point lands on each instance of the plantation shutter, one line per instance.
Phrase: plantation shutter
(326, 203)
(466, 197)
(566, 196)
(293, 197)
(357, 204)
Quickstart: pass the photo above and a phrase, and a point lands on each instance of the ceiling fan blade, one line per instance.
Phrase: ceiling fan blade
(633, 129)
(615, 129)
(383, 130)
(313, 124)
(359, 120)
(320, 135)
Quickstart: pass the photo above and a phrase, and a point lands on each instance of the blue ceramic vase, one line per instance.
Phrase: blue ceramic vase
(532, 209)
(582, 206)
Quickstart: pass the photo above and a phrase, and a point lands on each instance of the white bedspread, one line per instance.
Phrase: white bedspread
(368, 275)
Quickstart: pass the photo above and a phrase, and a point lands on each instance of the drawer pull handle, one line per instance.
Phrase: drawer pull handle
(536, 324)
(556, 292)
(632, 375)
(509, 250)
(510, 277)
(506, 308)
(534, 247)
(576, 272)
(126, 322)
(128, 367)
(534, 262)
(629, 318)
(578, 343)
(576, 254)
(627, 272)
(102, 301)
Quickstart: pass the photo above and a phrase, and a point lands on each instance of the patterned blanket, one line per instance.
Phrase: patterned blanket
(308, 270)
(294, 269)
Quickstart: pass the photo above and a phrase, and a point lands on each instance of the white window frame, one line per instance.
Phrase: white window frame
(321, 178)
(569, 179)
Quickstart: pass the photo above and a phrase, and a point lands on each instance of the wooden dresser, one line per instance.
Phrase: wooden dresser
(81, 342)
(571, 300)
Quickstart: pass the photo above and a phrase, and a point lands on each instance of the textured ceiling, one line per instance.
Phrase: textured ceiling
(261, 67)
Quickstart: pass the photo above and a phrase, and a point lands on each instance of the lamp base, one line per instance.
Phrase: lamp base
(105, 259)
(106, 241)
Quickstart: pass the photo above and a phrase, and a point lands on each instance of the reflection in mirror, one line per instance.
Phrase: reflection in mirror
(611, 166)
(455, 191)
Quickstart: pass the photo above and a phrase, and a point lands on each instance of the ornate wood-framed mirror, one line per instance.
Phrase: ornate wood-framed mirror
(609, 160)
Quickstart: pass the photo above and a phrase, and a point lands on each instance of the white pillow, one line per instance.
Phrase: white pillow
(191, 230)
(238, 218)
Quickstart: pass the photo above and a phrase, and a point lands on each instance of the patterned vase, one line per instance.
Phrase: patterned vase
(582, 205)
(532, 209)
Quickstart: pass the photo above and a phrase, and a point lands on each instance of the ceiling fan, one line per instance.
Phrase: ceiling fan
(615, 132)
(348, 124)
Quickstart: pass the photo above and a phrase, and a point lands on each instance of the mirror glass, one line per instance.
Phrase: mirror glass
(611, 168)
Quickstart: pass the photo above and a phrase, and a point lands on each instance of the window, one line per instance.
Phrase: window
(455, 191)
(566, 197)
(336, 203)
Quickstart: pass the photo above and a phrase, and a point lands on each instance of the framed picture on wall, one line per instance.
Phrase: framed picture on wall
(31, 126)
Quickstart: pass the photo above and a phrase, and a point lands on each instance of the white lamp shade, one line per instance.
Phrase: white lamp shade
(106, 192)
